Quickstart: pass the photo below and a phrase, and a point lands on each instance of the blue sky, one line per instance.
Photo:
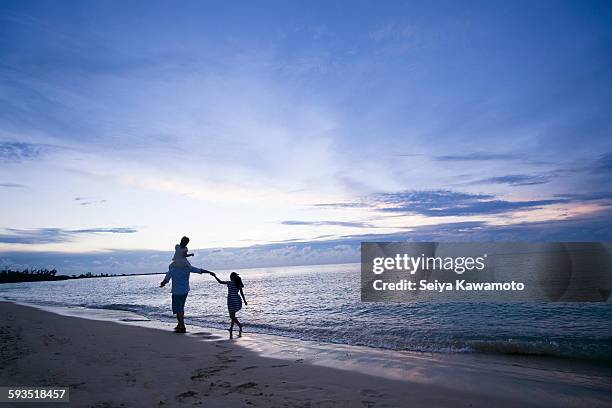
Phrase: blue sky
(300, 126)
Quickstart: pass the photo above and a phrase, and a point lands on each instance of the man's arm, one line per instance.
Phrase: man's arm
(166, 279)
(199, 270)
(218, 280)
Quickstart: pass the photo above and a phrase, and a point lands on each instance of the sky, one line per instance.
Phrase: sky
(281, 133)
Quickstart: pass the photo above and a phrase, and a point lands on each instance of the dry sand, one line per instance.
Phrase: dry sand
(107, 364)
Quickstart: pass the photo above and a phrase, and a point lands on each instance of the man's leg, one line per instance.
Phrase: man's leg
(178, 308)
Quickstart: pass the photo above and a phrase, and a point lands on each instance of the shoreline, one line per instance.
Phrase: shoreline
(456, 379)
(574, 331)
(484, 350)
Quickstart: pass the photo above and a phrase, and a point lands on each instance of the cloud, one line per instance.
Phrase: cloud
(54, 235)
(593, 196)
(11, 185)
(18, 151)
(595, 227)
(341, 205)
(477, 156)
(516, 180)
(340, 250)
(603, 164)
(352, 224)
(88, 201)
(444, 203)
(120, 230)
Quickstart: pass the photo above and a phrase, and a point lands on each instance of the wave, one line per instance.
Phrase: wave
(600, 349)
(543, 349)
(126, 307)
(594, 351)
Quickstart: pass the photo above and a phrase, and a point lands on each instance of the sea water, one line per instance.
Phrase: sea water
(322, 303)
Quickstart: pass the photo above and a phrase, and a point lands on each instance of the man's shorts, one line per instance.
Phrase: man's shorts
(178, 303)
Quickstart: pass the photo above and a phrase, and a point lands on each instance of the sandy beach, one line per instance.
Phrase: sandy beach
(107, 364)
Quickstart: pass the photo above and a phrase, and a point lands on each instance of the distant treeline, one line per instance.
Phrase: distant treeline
(40, 275)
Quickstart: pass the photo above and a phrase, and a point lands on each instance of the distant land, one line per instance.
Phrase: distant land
(44, 275)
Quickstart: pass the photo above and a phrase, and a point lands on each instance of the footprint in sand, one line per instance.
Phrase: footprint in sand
(185, 395)
(246, 385)
(204, 373)
(220, 384)
(370, 393)
(280, 365)
(251, 388)
(107, 405)
(129, 377)
(227, 360)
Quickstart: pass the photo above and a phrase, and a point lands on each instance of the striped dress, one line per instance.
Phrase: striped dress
(234, 303)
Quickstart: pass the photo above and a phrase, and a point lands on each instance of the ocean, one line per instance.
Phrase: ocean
(322, 303)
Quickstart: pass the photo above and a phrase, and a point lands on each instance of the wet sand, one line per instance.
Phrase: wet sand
(107, 364)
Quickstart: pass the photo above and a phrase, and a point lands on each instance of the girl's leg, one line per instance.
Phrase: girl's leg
(232, 317)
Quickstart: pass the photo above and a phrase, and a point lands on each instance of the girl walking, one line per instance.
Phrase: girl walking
(234, 303)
